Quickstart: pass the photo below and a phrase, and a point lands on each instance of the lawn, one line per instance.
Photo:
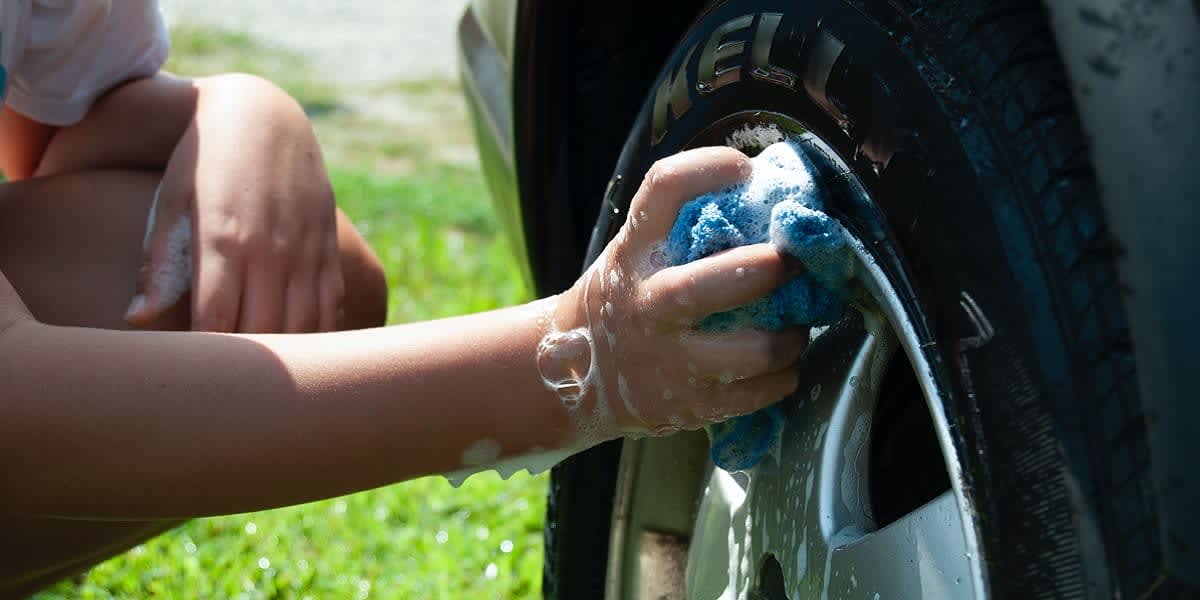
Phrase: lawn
(414, 190)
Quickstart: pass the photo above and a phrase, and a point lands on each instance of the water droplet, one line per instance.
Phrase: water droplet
(491, 571)
(442, 537)
(264, 563)
(250, 528)
(482, 533)
(506, 546)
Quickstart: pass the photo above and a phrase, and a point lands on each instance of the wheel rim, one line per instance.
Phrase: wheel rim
(811, 519)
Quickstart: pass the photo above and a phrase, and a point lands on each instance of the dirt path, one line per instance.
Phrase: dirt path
(354, 42)
(393, 62)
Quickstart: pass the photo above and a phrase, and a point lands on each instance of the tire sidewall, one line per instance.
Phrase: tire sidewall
(924, 147)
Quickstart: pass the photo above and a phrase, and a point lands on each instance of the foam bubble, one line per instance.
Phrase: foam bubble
(567, 361)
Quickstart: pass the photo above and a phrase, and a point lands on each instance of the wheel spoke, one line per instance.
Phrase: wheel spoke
(922, 555)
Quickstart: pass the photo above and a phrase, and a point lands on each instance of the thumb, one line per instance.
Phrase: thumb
(166, 271)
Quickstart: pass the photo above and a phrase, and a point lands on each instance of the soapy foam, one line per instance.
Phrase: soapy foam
(482, 452)
(752, 137)
(537, 461)
(172, 274)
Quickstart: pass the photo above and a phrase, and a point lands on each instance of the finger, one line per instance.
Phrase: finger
(743, 354)
(331, 283)
(165, 274)
(733, 278)
(263, 294)
(301, 311)
(750, 395)
(674, 180)
(217, 294)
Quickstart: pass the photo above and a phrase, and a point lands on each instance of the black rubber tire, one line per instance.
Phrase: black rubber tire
(958, 118)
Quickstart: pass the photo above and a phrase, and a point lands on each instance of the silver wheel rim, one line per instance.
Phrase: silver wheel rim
(800, 524)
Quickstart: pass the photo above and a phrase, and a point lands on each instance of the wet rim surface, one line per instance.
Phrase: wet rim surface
(818, 517)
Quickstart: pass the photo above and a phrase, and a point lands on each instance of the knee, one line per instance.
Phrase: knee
(366, 297)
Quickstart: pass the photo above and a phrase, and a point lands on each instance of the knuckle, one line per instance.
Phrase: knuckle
(312, 254)
(224, 241)
(762, 355)
(683, 288)
(277, 244)
(663, 173)
(336, 290)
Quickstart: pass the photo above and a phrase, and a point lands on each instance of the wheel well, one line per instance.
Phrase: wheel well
(581, 73)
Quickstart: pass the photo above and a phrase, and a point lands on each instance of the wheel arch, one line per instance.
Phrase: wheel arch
(581, 73)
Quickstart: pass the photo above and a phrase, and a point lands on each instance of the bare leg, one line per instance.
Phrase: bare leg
(71, 246)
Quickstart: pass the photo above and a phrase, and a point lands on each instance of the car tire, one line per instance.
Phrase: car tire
(958, 119)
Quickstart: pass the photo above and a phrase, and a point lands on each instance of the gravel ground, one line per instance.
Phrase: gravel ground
(354, 41)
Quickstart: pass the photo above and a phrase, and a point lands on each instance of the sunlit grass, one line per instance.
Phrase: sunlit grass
(420, 539)
(431, 224)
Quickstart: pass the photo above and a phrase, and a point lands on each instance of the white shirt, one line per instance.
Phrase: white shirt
(58, 56)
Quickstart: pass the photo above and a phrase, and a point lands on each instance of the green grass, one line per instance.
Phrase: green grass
(431, 224)
(198, 51)
(420, 539)
(439, 242)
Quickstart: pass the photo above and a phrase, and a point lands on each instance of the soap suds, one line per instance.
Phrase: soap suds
(171, 275)
(537, 461)
(482, 452)
(753, 137)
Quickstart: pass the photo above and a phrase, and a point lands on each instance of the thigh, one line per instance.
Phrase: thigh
(71, 247)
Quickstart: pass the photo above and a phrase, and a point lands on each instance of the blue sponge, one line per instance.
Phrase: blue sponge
(780, 203)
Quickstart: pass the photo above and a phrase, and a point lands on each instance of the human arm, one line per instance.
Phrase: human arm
(120, 425)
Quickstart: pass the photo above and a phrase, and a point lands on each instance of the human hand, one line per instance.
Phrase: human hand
(622, 352)
(245, 197)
